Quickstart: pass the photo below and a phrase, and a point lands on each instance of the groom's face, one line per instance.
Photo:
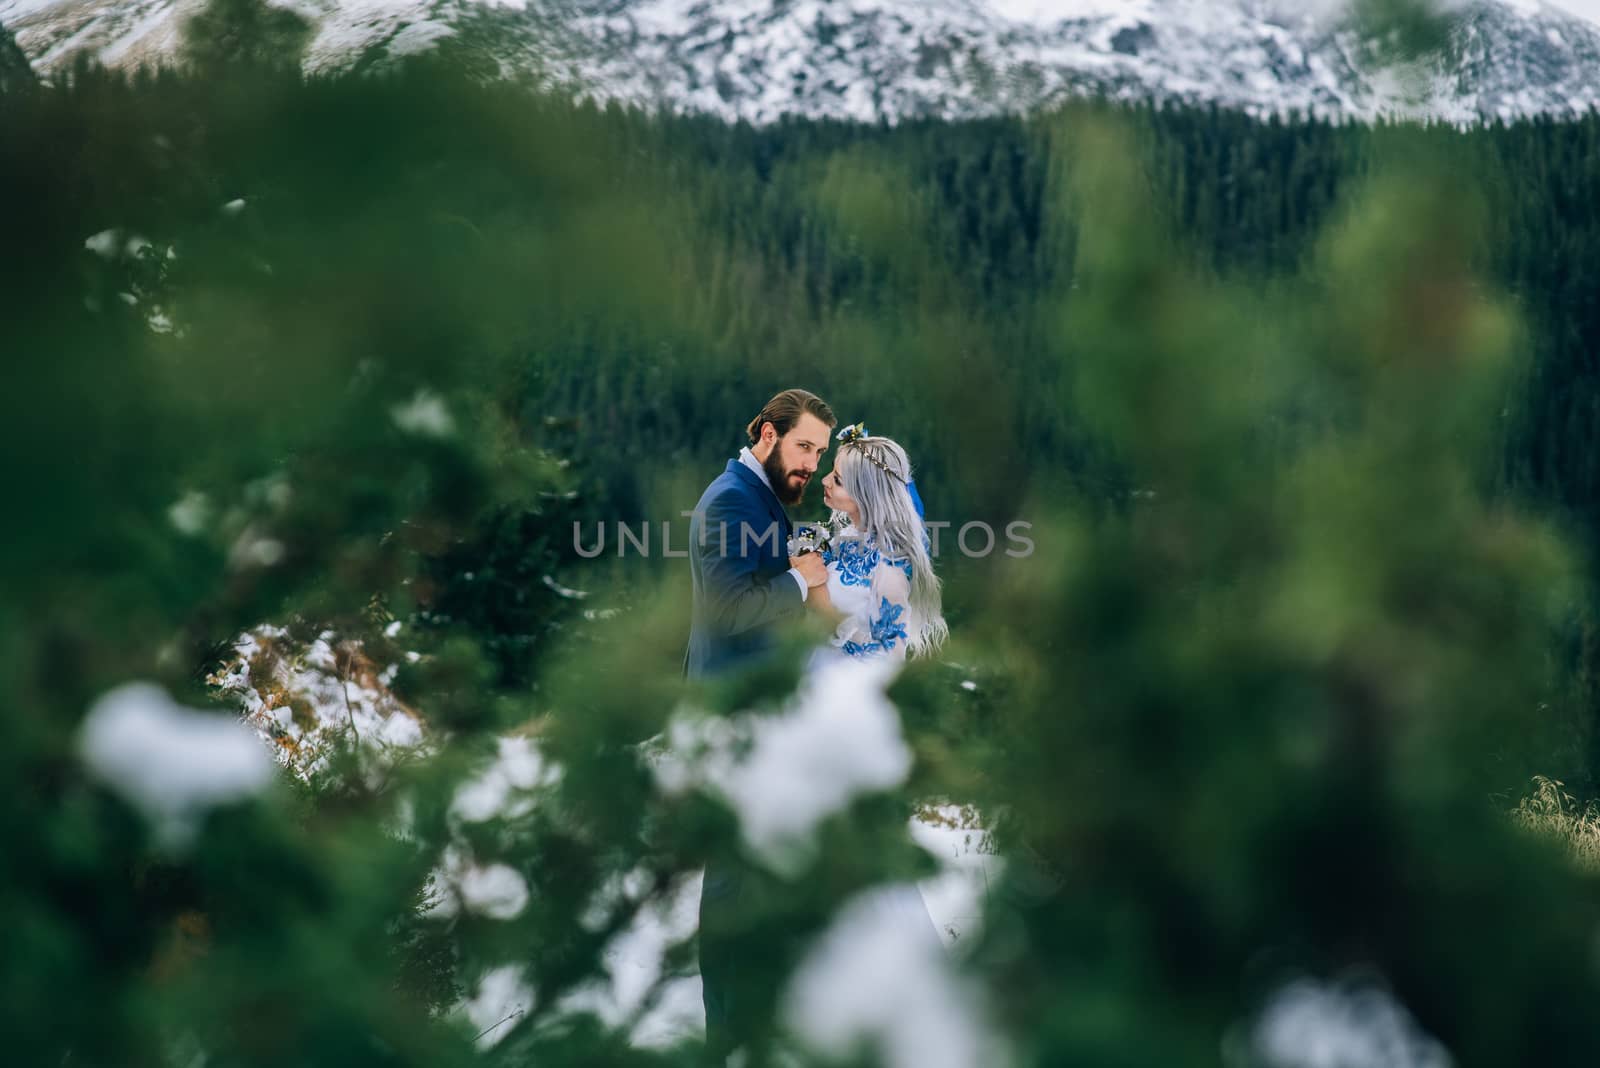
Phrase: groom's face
(792, 461)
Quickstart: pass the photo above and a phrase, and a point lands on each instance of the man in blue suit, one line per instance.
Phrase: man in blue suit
(745, 584)
(744, 580)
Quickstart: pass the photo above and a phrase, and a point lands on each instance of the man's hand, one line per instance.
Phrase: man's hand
(811, 568)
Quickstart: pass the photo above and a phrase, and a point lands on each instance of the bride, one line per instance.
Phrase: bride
(883, 593)
(881, 588)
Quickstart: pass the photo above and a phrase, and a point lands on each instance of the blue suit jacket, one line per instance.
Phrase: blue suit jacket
(739, 559)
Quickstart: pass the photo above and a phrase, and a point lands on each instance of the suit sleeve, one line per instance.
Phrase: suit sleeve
(738, 596)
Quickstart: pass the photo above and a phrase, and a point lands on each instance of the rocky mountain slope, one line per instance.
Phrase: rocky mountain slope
(890, 59)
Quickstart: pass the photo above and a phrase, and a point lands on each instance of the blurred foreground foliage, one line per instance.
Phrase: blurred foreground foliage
(1301, 426)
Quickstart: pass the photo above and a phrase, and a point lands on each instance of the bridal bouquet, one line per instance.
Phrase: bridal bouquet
(813, 537)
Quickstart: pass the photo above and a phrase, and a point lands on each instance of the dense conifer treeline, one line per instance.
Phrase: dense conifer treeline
(796, 228)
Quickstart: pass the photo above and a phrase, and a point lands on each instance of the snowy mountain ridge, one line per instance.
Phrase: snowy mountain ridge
(868, 60)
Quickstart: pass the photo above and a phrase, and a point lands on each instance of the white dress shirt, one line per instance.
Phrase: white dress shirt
(748, 458)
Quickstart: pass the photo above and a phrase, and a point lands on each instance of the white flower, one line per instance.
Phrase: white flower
(813, 537)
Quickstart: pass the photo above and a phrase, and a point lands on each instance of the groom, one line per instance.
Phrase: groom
(745, 584)
(744, 579)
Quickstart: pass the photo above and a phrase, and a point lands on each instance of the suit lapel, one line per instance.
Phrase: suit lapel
(754, 481)
(764, 491)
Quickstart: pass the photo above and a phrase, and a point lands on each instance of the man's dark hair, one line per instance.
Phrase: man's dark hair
(785, 410)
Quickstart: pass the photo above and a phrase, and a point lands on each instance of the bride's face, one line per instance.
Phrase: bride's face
(834, 495)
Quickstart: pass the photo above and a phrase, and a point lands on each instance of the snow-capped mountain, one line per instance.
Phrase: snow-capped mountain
(759, 59)
(872, 59)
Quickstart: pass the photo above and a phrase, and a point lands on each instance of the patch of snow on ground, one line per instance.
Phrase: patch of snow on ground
(633, 959)
(959, 894)
(309, 701)
(888, 990)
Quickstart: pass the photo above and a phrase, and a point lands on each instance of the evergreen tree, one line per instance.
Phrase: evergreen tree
(242, 36)
(16, 73)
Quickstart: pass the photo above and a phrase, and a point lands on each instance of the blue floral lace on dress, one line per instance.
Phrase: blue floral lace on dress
(872, 592)
(857, 560)
(888, 627)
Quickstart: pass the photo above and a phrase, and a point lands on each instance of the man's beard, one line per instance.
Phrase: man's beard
(787, 492)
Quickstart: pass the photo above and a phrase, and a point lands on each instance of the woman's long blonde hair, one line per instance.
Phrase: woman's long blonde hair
(875, 472)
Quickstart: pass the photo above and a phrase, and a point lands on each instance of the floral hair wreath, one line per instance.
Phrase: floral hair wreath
(856, 434)
(849, 435)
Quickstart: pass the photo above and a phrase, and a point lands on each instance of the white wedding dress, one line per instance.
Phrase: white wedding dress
(874, 594)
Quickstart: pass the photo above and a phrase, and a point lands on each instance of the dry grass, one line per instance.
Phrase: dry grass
(939, 813)
(1552, 812)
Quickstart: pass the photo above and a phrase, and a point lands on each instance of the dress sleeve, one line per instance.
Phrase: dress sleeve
(884, 628)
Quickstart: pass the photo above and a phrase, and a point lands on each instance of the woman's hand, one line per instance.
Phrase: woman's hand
(815, 572)
(820, 600)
